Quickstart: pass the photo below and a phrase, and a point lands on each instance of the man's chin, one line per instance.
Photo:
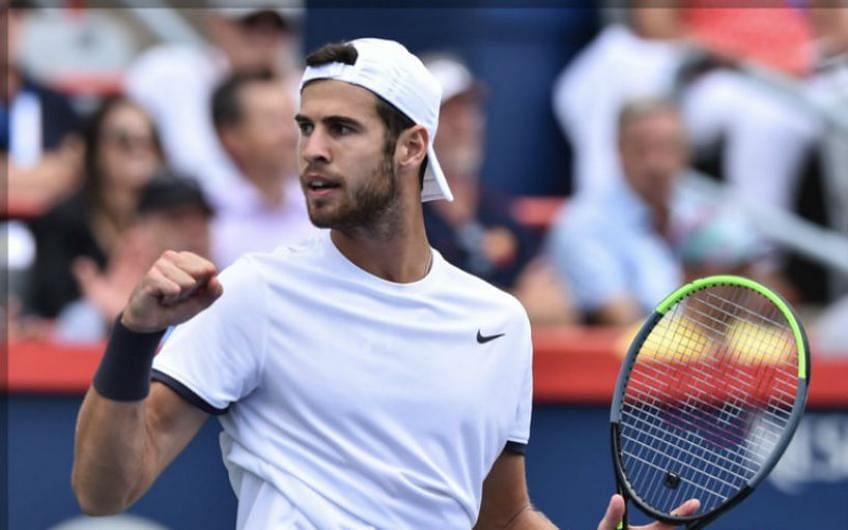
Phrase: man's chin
(323, 219)
(320, 221)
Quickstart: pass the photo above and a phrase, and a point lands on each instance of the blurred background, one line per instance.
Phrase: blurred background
(600, 156)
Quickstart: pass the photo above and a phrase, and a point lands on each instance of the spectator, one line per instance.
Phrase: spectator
(828, 86)
(40, 152)
(254, 118)
(829, 81)
(173, 214)
(765, 138)
(122, 152)
(621, 251)
(39, 132)
(476, 231)
(175, 82)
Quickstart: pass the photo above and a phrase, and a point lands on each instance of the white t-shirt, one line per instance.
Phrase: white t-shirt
(353, 402)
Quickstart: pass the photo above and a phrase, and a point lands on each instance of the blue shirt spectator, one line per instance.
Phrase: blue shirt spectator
(608, 249)
(621, 251)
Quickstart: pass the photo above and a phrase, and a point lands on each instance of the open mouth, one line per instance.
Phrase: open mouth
(318, 184)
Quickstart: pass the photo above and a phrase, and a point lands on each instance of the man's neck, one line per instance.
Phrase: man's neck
(402, 255)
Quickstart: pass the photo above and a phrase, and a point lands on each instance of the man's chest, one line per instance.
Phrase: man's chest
(412, 370)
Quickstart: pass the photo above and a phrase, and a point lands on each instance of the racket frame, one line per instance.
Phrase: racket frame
(623, 486)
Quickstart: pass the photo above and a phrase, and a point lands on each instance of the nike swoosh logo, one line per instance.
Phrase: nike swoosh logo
(483, 339)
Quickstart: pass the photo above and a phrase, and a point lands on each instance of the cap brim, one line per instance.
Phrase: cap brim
(435, 184)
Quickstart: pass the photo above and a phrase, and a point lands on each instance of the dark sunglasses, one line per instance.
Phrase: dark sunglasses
(126, 141)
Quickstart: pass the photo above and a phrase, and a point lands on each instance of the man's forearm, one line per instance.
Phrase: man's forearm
(108, 454)
(111, 442)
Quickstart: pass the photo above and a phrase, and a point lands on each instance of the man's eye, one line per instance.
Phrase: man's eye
(341, 129)
(305, 128)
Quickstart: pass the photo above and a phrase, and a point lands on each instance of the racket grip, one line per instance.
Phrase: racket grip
(622, 525)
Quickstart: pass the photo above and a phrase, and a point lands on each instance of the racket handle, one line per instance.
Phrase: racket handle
(622, 525)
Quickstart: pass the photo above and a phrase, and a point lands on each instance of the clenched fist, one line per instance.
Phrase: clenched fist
(178, 286)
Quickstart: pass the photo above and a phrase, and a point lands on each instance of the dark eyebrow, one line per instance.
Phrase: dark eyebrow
(334, 119)
(342, 120)
(331, 121)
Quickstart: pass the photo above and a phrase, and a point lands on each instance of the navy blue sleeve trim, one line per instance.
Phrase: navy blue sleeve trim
(186, 393)
(516, 447)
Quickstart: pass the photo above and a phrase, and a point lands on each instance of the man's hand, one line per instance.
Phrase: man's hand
(615, 511)
(177, 287)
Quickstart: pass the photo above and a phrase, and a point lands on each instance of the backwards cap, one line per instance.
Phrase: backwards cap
(389, 70)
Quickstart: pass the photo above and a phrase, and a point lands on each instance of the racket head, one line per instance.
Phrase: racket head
(708, 397)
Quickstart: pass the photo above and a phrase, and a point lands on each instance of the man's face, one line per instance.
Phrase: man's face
(266, 138)
(459, 140)
(348, 178)
(126, 150)
(653, 152)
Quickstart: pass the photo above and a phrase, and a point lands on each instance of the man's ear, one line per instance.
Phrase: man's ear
(412, 147)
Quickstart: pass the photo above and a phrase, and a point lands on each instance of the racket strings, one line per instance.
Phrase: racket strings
(708, 398)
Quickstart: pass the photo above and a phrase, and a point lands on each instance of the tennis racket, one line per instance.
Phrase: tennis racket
(708, 397)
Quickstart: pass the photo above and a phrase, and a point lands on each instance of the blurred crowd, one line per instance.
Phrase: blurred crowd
(193, 148)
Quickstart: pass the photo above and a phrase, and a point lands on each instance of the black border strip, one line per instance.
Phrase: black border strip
(186, 393)
(517, 448)
(5, 394)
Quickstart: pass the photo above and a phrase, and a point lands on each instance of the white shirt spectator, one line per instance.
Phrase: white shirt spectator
(174, 83)
(245, 222)
(766, 137)
(616, 67)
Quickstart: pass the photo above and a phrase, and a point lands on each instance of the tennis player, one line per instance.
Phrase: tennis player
(361, 381)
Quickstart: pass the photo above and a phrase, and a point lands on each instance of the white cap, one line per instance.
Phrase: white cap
(452, 74)
(387, 69)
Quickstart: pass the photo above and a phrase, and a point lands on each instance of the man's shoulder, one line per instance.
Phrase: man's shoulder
(286, 258)
(309, 247)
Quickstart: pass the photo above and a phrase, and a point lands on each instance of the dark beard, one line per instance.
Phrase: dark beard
(372, 210)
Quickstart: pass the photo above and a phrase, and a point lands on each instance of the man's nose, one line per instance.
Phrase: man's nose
(314, 147)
